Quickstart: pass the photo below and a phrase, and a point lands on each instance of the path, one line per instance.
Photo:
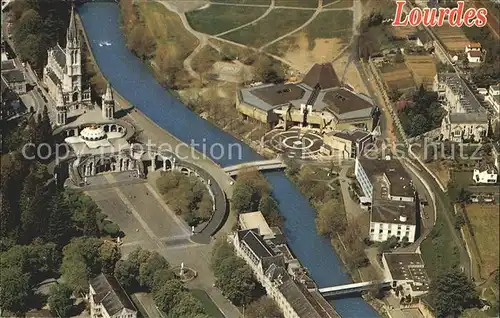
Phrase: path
(352, 208)
(265, 14)
(311, 19)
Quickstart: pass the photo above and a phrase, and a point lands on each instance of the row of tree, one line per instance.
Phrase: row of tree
(252, 192)
(186, 196)
(38, 26)
(149, 271)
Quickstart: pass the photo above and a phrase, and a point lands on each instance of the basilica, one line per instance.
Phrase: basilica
(98, 142)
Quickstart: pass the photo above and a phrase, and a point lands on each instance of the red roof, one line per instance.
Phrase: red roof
(474, 54)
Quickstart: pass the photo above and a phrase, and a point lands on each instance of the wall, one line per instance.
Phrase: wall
(402, 229)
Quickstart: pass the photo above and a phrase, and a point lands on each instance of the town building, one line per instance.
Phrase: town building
(473, 52)
(466, 119)
(407, 271)
(264, 249)
(347, 144)
(11, 107)
(422, 39)
(389, 191)
(493, 97)
(63, 71)
(318, 102)
(108, 299)
(485, 173)
(13, 76)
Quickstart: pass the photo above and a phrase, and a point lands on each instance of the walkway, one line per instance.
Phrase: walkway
(353, 287)
(263, 165)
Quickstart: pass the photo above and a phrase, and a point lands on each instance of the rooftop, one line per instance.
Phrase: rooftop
(255, 243)
(322, 75)
(8, 65)
(393, 212)
(468, 118)
(255, 220)
(110, 294)
(13, 76)
(467, 99)
(351, 135)
(382, 171)
(59, 55)
(409, 267)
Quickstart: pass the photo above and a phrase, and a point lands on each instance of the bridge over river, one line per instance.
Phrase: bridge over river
(261, 165)
(354, 288)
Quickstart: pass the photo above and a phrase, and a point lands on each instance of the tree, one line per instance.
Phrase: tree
(264, 307)
(331, 218)
(161, 277)
(60, 301)
(127, 271)
(108, 256)
(399, 57)
(234, 277)
(168, 295)
(147, 270)
(186, 306)
(15, 290)
(452, 292)
(60, 224)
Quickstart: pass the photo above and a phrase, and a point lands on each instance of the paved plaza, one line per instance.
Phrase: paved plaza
(294, 143)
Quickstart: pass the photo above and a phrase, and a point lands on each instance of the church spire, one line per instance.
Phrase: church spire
(108, 96)
(72, 34)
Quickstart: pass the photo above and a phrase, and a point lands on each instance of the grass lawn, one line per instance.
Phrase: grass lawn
(463, 178)
(338, 3)
(438, 250)
(484, 220)
(297, 3)
(204, 60)
(219, 18)
(276, 24)
(339, 26)
(211, 309)
(167, 30)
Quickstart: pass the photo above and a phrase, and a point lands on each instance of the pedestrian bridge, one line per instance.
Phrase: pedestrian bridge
(353, 288)
(262, 165)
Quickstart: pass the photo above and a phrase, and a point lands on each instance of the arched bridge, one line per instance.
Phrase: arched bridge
(353, 288)
(262, 165)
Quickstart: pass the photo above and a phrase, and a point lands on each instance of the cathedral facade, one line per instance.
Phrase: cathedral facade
(62, 75)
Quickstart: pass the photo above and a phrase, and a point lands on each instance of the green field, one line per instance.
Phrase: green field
(439, 252)
(210, 308)
(297, 3)
(330, 24)
(338, 3)
(276, 24)
(219, 18)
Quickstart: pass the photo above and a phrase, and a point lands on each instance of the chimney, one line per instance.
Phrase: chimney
(402, 218)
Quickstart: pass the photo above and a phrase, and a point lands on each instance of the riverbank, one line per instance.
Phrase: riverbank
(211, 99)
(132, 78)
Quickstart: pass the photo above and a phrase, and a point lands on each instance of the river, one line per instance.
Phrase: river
(134, 81)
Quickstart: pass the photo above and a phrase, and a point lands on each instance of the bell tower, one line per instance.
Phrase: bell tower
(73, 76)
(108, 104)
(62, 112)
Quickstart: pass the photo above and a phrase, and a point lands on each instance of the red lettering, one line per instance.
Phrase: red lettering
(415, 17)
(455, 19)
(430, 17)
(399, 14)
(469, 16)
(443, 13)
(482, 19)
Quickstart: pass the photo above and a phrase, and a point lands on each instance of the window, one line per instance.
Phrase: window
(372, 230)
(380, 231)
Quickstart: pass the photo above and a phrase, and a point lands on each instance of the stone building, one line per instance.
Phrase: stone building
(319, 102)
(264, 249)
(63, 72)
(108, 299)
(389, 191)
(466, 119)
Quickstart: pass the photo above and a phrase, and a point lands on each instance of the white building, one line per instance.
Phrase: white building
(466, 119)
(63, 71)
(494, 97)
(485, 173)
(473, 52)
(277, 270)
(387, 186)
(108, 299)
(407, 271)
